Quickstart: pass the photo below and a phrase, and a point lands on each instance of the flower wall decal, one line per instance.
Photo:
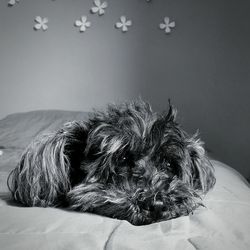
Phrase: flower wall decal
(99, 7)
(167, 25)
(123, 24)
(13, 2)
(41, 23)
(83, 23)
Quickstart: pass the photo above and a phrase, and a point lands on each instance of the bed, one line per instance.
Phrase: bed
(224, 222)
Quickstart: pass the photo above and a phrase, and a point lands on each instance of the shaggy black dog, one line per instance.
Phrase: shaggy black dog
(126, 162)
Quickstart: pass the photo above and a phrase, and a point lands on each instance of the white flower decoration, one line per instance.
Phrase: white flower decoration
(83, 23)
(123, 24)
(13, 2)
(167, 25)
(41, 23)
(99, 7)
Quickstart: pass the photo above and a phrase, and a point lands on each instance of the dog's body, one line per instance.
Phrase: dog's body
(126, 163)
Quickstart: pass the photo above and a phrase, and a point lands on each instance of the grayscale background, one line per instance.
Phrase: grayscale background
(203, 65)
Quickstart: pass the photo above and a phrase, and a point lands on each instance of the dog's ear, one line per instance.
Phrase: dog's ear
(47, 167)
(202, 171)
(163, 122)
(172, 113)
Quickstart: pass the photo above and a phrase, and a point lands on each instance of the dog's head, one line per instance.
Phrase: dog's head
(126, 162)
(140, 166)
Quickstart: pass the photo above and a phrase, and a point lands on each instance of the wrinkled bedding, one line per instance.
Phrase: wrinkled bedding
(224, 222)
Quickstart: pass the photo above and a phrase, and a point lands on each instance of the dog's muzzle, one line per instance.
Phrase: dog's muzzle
(152, 199)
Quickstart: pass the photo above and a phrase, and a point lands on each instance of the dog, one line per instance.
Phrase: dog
(126, 162)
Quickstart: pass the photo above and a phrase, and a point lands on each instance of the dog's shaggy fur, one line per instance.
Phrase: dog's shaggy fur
(127, 163)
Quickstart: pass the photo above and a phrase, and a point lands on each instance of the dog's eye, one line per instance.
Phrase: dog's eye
(124, 158)
(166, 165)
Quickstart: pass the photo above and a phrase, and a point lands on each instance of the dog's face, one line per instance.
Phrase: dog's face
(138, 165)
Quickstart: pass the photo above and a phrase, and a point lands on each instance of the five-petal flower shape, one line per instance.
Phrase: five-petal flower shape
(99, 7)
(123, 24)
(12, 2)
(83, 23)
(167, 25)
(41, 23)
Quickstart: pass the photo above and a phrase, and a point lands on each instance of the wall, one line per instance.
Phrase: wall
(203, 65)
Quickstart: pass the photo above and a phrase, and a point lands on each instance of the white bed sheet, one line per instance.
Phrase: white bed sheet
(223, 224)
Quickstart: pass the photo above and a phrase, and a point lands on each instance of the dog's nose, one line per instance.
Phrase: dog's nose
(154, 205)
(157, 203)
(157, 207)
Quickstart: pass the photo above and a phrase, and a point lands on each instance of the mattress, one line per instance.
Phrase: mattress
(223, 223)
